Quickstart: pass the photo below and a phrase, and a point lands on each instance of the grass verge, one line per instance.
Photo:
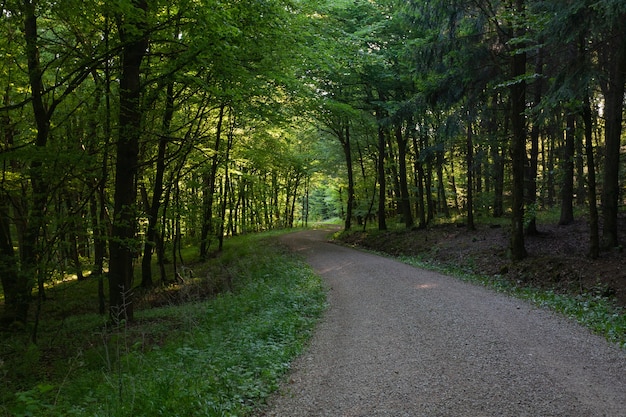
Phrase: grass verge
(220, 357)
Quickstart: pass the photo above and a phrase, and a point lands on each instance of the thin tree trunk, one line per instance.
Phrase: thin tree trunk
(567, 187)
(351, 201)
(441, 187)
(382, 180)
(157, 192)
(594, 235)
(470, 177)
(419, 179)
(405, 199)
(533, 159)
(209, 190)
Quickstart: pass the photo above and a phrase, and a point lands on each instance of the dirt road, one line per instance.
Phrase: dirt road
(400, 341)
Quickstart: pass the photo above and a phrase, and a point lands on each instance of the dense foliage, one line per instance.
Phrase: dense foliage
(191, 357)
(130, 129)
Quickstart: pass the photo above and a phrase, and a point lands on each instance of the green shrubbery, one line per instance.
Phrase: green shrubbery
(219, 357)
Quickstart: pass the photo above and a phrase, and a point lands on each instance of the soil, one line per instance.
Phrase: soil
(557, 257)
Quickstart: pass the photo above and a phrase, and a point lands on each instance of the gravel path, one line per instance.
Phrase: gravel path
(401, 341)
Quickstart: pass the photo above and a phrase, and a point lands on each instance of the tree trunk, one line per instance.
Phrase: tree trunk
(157, 192)
(533, 158)
(30, 251)
(518, 145)
(347, 151)
(470, 177)
(441, 187)
(122, 244)
(15, 305)
(594, 235)
(382, 180)
(209, 190)
(613, 113)
(567, 187)
(498, 181)
(405, 199)
(550, 170)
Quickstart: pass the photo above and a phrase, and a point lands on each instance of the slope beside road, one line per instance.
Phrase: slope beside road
(401, 341)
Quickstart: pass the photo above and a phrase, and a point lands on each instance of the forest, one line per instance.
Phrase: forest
(131, 130)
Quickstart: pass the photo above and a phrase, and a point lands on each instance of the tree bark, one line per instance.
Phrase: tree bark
(567, 187)
(594, 235)
(382, 180)
(29, 250)
(613, 112)
(405, 199)
(122, 243)
(209, 190)
(533, 158)
(518, 145)
(351, 200)
(157, 192)
(470, 176)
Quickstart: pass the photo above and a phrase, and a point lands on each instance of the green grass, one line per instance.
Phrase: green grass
(591, 309)
(219, 357)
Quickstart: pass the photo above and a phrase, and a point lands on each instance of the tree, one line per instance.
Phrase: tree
(613, 62)
(518, 145)
(133, 33)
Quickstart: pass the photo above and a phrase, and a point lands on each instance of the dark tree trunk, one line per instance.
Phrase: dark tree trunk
(226, 190)
(533, 158)
(405, 199)
(347, 151)
(419, 184)
(157, 193)
(567, 187)
(15, 305)
(382, 180)
(209, 190)
(580, 168)
(122, 244)
(29, 249)
(550, 170)
(518, 145)
(428, 187)
(441, 186)
(392, 171)
(613, 112)
(498, 181)
(594, 235)
(470, 177)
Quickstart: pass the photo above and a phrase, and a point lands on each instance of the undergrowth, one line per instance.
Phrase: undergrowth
(219, 357)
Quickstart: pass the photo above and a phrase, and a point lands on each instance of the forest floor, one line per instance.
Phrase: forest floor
(557, 257)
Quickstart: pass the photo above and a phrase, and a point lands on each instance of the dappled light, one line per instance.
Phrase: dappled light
(139, 139)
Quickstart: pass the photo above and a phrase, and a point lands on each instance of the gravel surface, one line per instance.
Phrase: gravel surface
(401, 341)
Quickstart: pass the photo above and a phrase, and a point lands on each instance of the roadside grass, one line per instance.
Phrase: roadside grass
(221, 356)
(590, 309)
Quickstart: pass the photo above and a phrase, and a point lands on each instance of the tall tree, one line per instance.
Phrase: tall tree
(133, 32)
(518, 141)
(613, 61)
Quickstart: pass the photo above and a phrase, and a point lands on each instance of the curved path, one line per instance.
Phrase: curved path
(401, 341)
